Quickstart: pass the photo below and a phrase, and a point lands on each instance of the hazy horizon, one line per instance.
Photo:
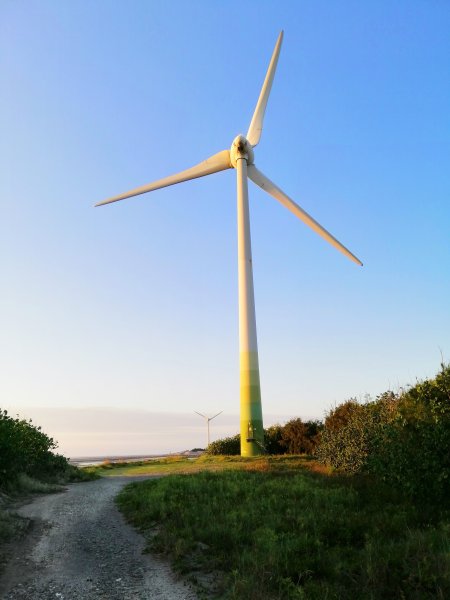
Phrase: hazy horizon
(100, 431)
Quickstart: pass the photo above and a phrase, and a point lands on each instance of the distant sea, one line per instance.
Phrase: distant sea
(89, 461)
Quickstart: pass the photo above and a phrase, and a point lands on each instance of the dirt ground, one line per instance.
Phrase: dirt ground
(80, 547)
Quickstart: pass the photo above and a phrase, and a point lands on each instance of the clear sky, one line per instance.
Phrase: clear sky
(124, 315)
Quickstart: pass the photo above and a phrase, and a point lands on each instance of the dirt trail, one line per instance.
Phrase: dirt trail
(81, 548)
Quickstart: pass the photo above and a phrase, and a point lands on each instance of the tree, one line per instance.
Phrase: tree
(272, 440)
(300, 437)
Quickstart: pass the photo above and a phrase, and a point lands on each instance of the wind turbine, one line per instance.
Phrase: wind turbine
(241, 157)
(208, 419)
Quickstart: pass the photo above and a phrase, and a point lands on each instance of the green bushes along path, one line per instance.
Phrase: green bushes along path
(403, 439)
(26, 451)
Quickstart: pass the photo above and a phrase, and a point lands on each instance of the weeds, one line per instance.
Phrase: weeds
(276, 531)
(11, 524)
(29, 485)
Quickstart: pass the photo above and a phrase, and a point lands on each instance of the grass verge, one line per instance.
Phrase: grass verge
(268, 529)
(12, 526)
(181, 465)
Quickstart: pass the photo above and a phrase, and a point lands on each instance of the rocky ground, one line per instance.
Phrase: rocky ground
(80, 547)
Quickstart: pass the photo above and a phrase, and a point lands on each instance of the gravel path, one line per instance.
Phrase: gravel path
(81, 548)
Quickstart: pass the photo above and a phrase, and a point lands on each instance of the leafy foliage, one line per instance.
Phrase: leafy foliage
(273, 437)
(295, 437)
(351, 430)
(229, 446)
(413, 451)
(403, 439)
(299, 437)
(338, 418)
(26, 450)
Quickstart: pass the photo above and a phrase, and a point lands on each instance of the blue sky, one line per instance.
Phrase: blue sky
(133, 307)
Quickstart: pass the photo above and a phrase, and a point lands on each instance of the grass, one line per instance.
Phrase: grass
(29, 485)
(181, 465)
(161, 466)
(13, 526)
(277, 527)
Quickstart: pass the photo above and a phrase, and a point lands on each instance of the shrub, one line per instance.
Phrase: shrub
(351, 430)
(413, 451)
(229, 446)
(22, 447)
(299, 437)
(296, 437)
(273, 440)
(403, 439)
(338, 418)
(26, 450)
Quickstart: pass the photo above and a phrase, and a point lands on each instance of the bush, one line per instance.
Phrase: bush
(412, 453)
(403, 439)
(298, 437)
(22, 447)
(338, 418)
(295, 437)
(273, 440)
(229, 446)
(350, 432)
(26, 450)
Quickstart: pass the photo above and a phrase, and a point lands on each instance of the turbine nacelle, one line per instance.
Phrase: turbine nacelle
(241, 148)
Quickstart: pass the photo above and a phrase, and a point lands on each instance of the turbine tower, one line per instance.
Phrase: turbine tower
(241, 158)
(208, 419)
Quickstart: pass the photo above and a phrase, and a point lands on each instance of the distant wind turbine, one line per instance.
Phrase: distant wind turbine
(208, 419)
(241, 157)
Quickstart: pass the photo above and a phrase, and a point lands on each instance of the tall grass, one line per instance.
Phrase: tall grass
(275, 533)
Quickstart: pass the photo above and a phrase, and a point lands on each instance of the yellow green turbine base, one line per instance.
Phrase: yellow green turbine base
(252, 432)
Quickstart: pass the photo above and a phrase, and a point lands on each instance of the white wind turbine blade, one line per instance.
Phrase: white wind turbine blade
(213, 164)
(219, 413)
(268, 186)
(255, 129)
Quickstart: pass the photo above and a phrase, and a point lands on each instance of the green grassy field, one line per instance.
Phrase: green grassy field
(181, 465)
(280, 527)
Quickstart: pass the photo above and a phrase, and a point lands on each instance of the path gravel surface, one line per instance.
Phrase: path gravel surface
(80, 547)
